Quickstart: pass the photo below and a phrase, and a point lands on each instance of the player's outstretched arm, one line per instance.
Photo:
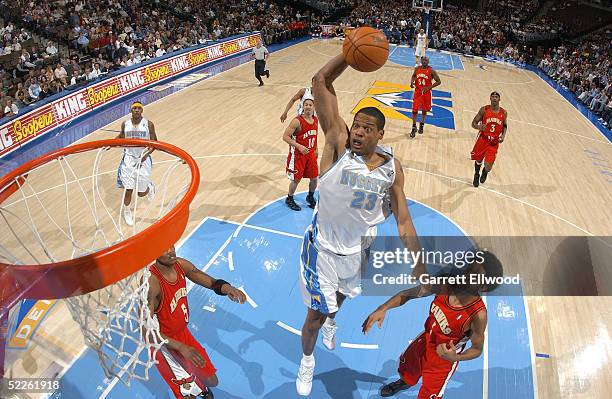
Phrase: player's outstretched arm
(413, 78)
(477, 121)
(221, 287)
(397, 300)
(326, 105)
(295, 98)
(405, 227)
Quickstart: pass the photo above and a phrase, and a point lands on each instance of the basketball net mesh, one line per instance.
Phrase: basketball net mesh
(61, 212)
(117, 324)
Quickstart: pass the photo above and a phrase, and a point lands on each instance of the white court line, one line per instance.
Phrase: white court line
(551, 128)
(506, 196)
(65, 369)
(248, 298)
(216, 255)
(358, 346)
(289, 328)
(531, 349)
(485, 359)
(209, 308)
(250, 226)
(230, 260)
(461, 61)
(390, 54)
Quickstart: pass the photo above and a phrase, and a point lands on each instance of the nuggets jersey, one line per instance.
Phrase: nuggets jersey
(307, 95)
(423, 78)
(494, 122)
(446, 323)
(173, 309)
(422, 40)
(140, 131)
(351, 202)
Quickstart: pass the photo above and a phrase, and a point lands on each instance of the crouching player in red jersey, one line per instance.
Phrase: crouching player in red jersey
(456, 315)
(182, 362)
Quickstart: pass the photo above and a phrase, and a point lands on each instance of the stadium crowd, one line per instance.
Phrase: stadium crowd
(112, 34)
(586, 70)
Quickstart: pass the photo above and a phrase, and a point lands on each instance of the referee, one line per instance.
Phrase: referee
(261, 55)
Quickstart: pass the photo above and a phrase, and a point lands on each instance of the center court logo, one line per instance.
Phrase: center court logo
(395, 102)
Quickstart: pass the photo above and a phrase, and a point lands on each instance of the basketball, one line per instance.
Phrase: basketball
(366, 49)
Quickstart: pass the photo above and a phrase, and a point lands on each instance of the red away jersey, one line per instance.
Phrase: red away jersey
(423, 78)
(307, 136)
(494, 122)
(447, 323)
(173, 310)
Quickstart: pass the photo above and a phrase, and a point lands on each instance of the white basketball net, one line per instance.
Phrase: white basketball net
(117, 324)
(61, 211)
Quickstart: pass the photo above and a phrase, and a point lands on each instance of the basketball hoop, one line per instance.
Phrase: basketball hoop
(63, 237)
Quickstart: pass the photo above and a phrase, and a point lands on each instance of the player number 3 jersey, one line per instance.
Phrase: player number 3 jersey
(494, 122)
(351, 202)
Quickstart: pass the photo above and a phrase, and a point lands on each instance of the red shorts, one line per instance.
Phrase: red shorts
(421, 101)
(421, 361)
(299, 166)
(181, 375)
(485, 149)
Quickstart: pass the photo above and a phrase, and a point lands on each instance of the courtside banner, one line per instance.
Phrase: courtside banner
(36, 123)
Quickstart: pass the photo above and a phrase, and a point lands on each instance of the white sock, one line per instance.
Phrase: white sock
(308, 359)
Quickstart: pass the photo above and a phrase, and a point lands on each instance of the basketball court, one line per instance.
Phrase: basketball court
(550, 179)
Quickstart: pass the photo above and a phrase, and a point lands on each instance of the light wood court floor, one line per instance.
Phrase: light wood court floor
(543, 184)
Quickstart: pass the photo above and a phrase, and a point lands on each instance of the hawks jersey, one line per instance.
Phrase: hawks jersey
(139, 131)
(423, 78)
(351, 202)
(173, 309)
(307, 136)
(494, 122)
(447, 323)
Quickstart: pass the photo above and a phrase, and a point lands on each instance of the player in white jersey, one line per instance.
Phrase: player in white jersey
(302, 95)
(420, 42)
(356, 175)
(136, 165)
